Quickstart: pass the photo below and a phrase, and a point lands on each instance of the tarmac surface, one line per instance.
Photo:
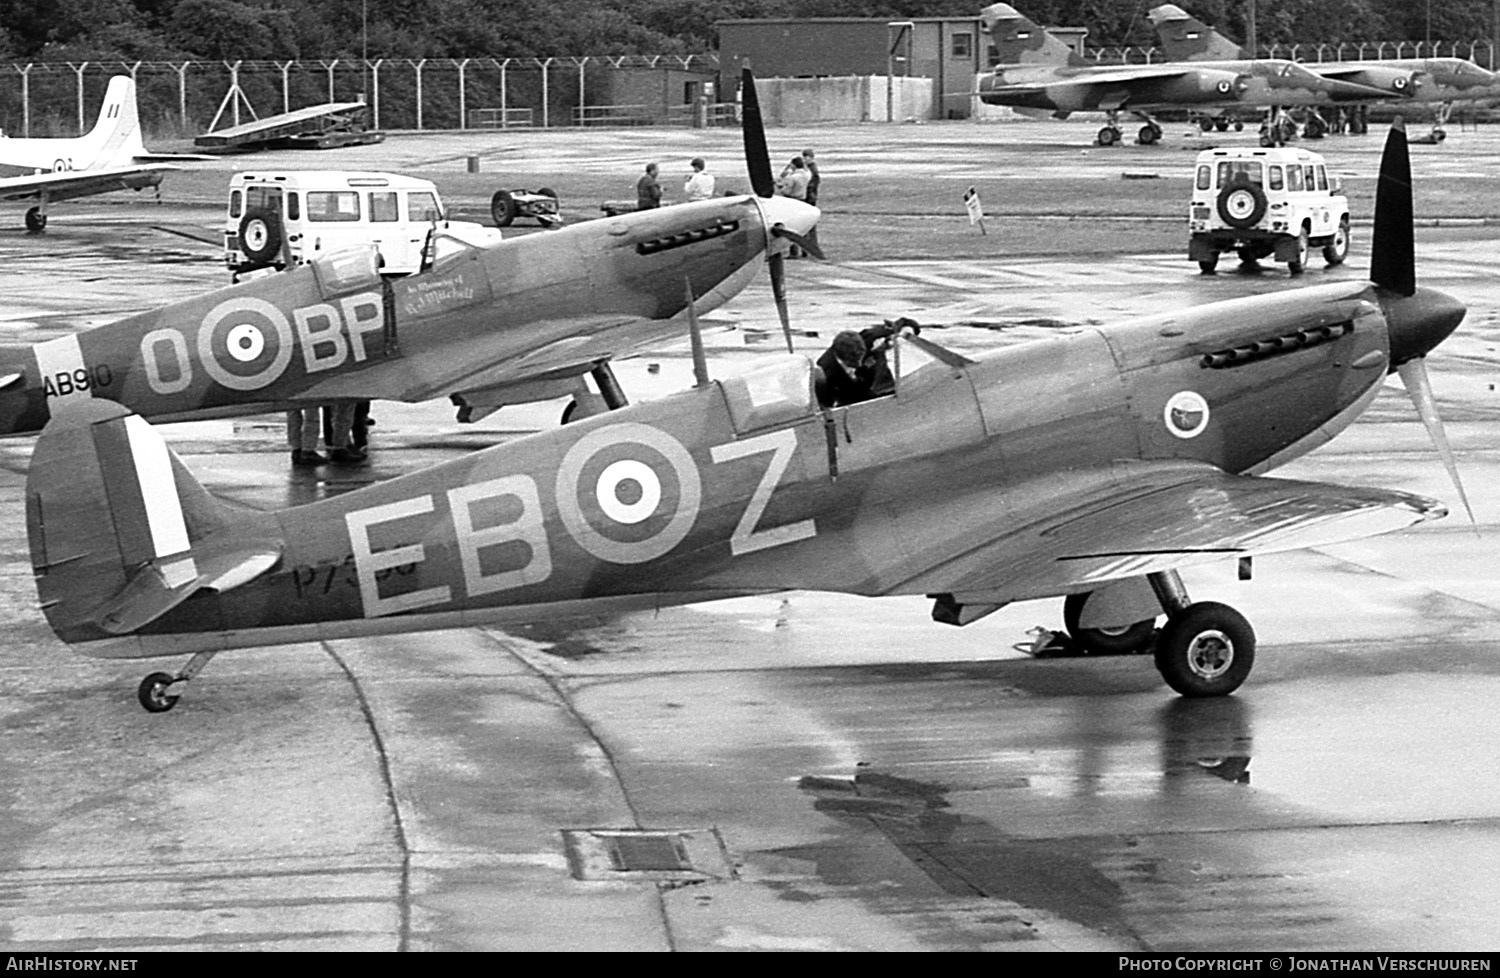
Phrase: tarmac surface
(790, 772)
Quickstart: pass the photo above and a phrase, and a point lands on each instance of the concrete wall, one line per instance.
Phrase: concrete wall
(802, 101)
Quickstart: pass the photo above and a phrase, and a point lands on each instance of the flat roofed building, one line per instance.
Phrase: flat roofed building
(949, 50)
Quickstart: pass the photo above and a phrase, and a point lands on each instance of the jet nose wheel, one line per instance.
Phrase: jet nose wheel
(153, 692)
(1207, 649)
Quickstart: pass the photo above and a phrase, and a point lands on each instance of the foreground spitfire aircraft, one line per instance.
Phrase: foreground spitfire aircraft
(111, 156)
(1437, 81)
(1064, 85)
(1092, 464)
(520, 320)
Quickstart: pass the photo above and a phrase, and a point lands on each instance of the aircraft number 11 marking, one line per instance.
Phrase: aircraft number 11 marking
(527, 526)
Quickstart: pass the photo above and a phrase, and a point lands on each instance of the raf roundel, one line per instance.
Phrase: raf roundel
(628, 493)
(1186, 414)
(245, 343)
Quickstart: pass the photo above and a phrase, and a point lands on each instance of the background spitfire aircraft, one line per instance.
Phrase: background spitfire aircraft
(1067, 85)
(1439, 81)
(517, 321)
(1092, 464)
(111, 156)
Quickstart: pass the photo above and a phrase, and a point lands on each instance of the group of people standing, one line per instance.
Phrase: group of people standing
(343, 428)
(799, 178)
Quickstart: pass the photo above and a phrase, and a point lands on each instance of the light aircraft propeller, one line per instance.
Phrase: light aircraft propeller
(763, 182)
(1418, 318)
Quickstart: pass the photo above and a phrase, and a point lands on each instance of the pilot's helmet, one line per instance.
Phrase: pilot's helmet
(848, 347)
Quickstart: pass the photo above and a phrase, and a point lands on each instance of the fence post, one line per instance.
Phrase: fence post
(182, 92)
(78, 70)
(375, 89)
(418, 67)
(463, 106)
(581, 101)
(286, 85)
(25, 100)
(504, 119)
(546, 101)
(328, 66)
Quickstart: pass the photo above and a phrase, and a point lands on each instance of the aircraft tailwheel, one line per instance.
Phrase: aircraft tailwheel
(1127, 640)
(36, 221)
(1206, 649)
(153, 692)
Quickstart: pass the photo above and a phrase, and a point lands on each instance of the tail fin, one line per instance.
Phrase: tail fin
(1018, 41)
(120, 531)
(115, 139)
(1186, 38)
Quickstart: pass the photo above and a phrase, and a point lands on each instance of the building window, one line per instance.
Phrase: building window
(963, 44)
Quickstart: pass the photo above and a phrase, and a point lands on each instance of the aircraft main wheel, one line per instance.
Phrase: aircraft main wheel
(153, 692)
(1206, 124)
(36, 221)
(1148, 135)
(1439, 134)
(260, 236)
(1296, 265)
(503, 208)
(1108, 136)
(1337, 250)
(1127, 640)
(1206, 649)
(1239, 125)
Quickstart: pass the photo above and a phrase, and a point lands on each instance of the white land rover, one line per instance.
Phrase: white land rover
(1260, 202)
(291, 217)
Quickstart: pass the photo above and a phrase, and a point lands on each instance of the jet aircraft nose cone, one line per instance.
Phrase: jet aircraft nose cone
(795, 215)
(1417, 323)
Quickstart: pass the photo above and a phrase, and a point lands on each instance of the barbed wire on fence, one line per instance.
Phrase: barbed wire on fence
(182, 97)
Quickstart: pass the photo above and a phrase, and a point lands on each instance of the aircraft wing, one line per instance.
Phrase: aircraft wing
(1143, 517)
(67, 184)
(1130, 73)
(545, 350)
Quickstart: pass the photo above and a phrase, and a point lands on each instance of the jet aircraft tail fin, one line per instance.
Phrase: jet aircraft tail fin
(116, 138)
(120, 531)
(1019, 41)
(1186, 38)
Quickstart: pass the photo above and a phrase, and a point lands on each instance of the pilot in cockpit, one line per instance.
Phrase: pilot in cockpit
(854, 367)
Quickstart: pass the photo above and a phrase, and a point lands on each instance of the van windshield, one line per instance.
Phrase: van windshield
(332, 205)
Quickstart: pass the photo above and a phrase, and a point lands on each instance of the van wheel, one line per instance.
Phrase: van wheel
(1207, 265)
(260, 236)
(1335, 251)
(503, 208)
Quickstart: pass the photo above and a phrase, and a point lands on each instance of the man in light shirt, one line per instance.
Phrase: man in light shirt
(699, 186)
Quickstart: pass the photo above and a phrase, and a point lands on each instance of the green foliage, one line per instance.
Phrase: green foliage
(326, 29)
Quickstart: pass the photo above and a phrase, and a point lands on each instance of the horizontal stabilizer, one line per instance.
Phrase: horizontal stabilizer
(120, 531)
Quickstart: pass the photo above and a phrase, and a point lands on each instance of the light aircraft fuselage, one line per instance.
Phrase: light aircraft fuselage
(504, 321)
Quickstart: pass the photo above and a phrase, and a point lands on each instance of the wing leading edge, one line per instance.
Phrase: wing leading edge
(1146, 517)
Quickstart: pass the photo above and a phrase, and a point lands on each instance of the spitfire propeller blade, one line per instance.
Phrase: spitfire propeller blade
(1417, 320)
(776, 261)
(1393, 261)
(1419, 388)
(805, 242)
(757, 156)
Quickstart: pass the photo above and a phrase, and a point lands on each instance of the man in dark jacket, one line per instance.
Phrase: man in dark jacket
(648, 190)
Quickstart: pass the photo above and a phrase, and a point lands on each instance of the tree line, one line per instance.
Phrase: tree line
(178, 30)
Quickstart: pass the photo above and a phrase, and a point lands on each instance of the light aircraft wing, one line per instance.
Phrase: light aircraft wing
(66, 184)
(1138, 518)
(556, 348)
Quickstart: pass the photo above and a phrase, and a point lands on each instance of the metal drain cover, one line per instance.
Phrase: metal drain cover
(684, 855)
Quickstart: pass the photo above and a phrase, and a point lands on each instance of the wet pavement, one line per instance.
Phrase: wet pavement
(799, 771)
